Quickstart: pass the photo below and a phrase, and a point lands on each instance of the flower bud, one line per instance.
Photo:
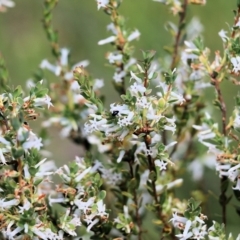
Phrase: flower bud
(161, 103)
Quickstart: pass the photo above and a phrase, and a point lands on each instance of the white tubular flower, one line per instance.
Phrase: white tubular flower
(121, 155)
(26, 171)
(233, 172)
(223, 35)
(9, 233)
(8, 204)
(200, 232)
(178, 220)
(120, 109)
(84, 206)
(126, 120)
(102, 3)
(26, 206)
(194, 28)
(95, 221)
(142, 102)
(80, 176)
(178, 97)
(137, 79)
(191, 49)
(56, 200)
(137, 88)
(63, 175)
(130, 63)
(118, 76)
(4, 141)
(32, 142)
(98, 83)
(112, 58)
(45, 64)
(46, 100)
(133, 35)
(107, 40)
(2, 158)
(112, 28)
(236, 122)
(30, 139)
(123, 135)
(101, 208)
(222, 169)
(170, 145)
(64, 57)
(95, 124)
(161, 164)
(236, 64)
(6, 3)
(44, 233)
(197, 74)
(175, 183)
(83, 64)
(237, 187)
(186, 233)
(75, 86)
(30, 84)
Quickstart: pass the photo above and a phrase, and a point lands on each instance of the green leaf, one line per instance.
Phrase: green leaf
(15, 123)
(102, 194)
(17, 152)
(133, 184)
(127, 194)
(152, 176)
(163, 196)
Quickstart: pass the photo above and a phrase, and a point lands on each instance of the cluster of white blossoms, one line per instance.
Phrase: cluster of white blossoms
(75, 191)
(121, 58)
(124, 120)
(196, 228)
(25, 208)
(192, 229)
(72, 94)
(24, 135)
(228, 42)
(208, 136)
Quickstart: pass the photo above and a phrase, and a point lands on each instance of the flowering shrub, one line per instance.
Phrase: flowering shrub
(135, 150)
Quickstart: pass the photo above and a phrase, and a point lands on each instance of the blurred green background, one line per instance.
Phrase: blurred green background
(23, 44)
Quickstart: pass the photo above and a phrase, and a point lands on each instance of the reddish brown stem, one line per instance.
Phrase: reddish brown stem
(223, 197)
(135, 199)
(182, 15)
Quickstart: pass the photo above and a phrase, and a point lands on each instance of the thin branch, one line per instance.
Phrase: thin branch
(235, 22)
(223, 197)
(182, 16)
(152, 167)
(120, 47)
(135, 199)
(223, 109)
(179, 33)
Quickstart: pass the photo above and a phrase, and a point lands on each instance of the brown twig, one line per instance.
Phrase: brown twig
(166, 227)
(119, 46)
(135, 199)
(223, 197)
(223, 109)
(235, 22)
(182, 16)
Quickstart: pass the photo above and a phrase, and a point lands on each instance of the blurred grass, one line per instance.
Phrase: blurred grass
(23, 44)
